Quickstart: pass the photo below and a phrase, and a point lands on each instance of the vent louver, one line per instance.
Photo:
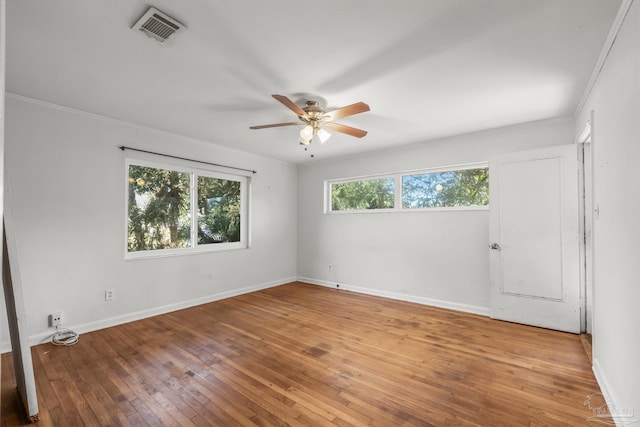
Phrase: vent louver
(157, 25)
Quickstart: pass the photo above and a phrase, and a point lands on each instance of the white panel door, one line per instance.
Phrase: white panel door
(534, 231)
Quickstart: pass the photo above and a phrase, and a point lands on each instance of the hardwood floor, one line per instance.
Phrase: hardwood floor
(300, 354)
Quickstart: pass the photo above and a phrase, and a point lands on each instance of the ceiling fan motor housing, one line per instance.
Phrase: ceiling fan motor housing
(313, 110)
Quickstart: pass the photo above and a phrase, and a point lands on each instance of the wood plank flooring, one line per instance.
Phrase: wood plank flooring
(304, 355)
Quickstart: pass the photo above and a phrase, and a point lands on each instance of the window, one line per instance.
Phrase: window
(218, 210)
(173, 210)
(365, 194)
(454, 188)
(159, 206)
(458, 187)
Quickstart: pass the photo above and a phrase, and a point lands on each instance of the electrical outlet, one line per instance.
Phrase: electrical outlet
(55, 319)
(109, 294)
(330, 267)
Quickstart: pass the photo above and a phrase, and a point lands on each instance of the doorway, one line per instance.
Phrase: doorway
(587, 213)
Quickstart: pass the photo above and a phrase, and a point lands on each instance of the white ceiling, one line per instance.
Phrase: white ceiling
(427, 68)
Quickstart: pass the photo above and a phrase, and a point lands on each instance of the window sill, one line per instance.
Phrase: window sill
(167, 253)
(408, 210)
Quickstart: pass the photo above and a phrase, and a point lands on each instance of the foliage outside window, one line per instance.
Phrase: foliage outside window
(455, 188)
(361, 195)
(172, 211)
(218, 210)
(461, 187)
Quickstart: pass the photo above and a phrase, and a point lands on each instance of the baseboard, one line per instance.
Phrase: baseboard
(483, 311)
(41, 338)
(616, 412)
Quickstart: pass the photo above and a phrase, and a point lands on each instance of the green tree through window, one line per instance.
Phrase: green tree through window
(165, 212)
(158, 209)
(466, 187)
(460, 187)
(360, 195)
(218, 210)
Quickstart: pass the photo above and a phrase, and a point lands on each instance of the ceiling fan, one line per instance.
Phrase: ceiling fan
(315, 119)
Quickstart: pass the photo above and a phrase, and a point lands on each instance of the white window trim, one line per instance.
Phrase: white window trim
(194, 172)
(397, 176)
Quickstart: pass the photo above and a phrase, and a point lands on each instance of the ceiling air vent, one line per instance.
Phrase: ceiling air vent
(157, 25)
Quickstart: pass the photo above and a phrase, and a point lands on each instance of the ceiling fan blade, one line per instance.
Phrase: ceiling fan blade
(349, 110)
(358, 133)
(275, 125)
(290, 105)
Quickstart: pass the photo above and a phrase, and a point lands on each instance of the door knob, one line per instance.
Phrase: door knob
(495, 246)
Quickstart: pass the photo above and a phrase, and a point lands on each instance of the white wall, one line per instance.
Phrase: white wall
(65, 174)
(615, 100)
(439, 258)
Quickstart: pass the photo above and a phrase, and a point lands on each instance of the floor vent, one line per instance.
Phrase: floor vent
(157, 25)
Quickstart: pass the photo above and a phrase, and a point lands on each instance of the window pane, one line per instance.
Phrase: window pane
(218, 210)
(468, 187)
(159, 206)
(360, 195)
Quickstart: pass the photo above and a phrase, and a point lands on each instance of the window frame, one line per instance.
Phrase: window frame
(194, 173)
(398, 190)
(329, 186)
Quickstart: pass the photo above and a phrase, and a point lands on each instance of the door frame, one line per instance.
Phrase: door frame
(588, 214)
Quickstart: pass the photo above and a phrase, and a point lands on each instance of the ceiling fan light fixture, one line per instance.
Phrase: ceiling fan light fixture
(323, 135)
(307, 133)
